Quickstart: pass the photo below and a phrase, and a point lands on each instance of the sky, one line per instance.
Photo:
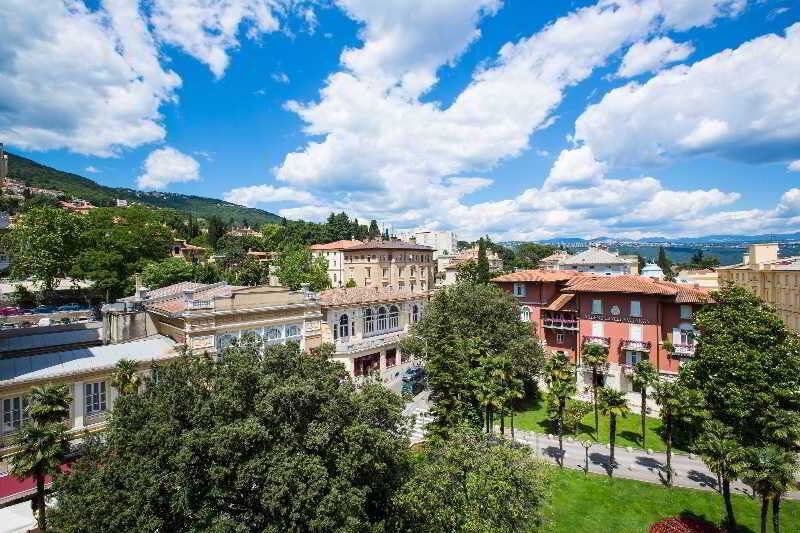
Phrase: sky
(518, 119)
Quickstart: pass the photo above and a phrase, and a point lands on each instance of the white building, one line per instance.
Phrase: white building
(333, 252)
(652, 270)
(442, 242)
(601, 262)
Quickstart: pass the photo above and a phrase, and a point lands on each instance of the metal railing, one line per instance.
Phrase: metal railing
(591, 339)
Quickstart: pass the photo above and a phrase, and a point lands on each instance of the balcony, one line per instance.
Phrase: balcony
(355, 344)
(627, 370)
(602, 369)
(554, 323)
(634, 346)
(602, 341)
(683, 350)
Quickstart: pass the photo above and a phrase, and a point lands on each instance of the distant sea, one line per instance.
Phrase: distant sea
(727, 255)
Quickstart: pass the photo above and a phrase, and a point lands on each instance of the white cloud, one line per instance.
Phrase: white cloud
(794, 166)
(575, 167)
(88, 81)
(650, 56)
(265, 194)
(686, 14)
(280, 77)
(168, 165)
(91, 169)
(739, 104)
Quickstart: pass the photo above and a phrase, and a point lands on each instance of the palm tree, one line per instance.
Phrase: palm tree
(677, 402)
(515, 392)
(42, 449)
(644, 375)
(125, 378)
(770, 471)
(49, 403)
(723, 455)
(612, 405)
(594, 356)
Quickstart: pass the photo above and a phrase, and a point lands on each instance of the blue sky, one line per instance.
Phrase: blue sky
(519, 119)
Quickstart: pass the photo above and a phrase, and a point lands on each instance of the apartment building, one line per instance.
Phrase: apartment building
(595, 260)
(775, 280)
(397, 264)
(444, 243)
(448, 265)
(366, 325)
(333, 252)
(206, 318)
(632, 317)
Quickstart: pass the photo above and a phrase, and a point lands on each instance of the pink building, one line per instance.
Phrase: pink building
(633, 317)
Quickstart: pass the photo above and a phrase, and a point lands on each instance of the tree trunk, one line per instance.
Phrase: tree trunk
(612, 434)
(776, 517)
(669, 450)
(561, 402)
(512, 423)
(594, 396)
(40, 505)
(503, 421)
(764, 508)
(487, 419)
(726, 497)
(644, 416)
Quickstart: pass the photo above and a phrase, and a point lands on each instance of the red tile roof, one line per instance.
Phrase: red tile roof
(561, 302)
(335, 245)
(538, 275)
(638, 285)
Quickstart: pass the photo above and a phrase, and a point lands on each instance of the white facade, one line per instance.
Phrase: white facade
(333, 253)
(600, 262)
(442, 242)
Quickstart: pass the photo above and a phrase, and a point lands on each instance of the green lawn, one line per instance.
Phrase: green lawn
(533, 417)
(598, 504)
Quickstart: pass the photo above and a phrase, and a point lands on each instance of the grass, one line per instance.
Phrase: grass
(598, 504)
(533, 417)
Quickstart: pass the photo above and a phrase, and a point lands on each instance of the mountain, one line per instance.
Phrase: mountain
(37, 175)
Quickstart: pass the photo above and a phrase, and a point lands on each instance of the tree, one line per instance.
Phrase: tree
(612, 405)
(469, 484)
(676, 403)
(44, 243)
(482, 267)
(467, 272)
(42, 449)
(298, 266)
(723, 456)
(22, 297)
(560, 387)
(528, 254)
(771, 472)
(461, 325)
(247, 271)
(125, 378)
(49, 403)
(350, 283)
(747, 368)
(664, 262)
(216, 229)
(644, 375)
(276, 442)
(167, 272)
(594, 356)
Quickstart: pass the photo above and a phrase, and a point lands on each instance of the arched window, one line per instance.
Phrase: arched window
(415, 313)
(369, 321)
(394, 317)
(525, 314)
(381, 318)
(344, 326)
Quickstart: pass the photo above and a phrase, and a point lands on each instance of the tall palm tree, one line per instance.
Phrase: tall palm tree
(561, 389)
(594, 356)
(723, 456)
(771, 472)
(49, 403)
(42, 449)
(125, 378)
(676, 403)
(644, 375)
(613, 404)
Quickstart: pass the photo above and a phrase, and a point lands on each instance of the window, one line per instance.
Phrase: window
(391, 357)
(94, 397)
(520, 290)
(385, 272)
(636, 308)
(686, 311)
(394, 315)
(344, 326)
(632, 357)
(381, 319)
(15, 413)
(525, 314)
(635, 333)
(293, 330)
(369, 321)
(597, 329)
(413, 271)
(559, 338)
(225, 340)
(597, 307)
(273, 334)
(415, 313)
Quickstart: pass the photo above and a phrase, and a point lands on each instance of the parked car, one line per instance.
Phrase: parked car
(44, 309)
(10, 311)
(70, 307)
(414, 373)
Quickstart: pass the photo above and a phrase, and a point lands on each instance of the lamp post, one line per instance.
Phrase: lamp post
(586, 445)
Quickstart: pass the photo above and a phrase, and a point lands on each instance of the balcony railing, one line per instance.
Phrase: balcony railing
(637, 346)
(370, 343)
(554, 323)
(200, 304)
(591, 339)
(601, 369)
(685, 350)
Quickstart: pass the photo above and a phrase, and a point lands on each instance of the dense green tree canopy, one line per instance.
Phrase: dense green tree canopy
(279, 442)
(166, 272)
(297, 266)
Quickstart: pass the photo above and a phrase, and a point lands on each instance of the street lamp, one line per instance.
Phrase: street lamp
(586, 445)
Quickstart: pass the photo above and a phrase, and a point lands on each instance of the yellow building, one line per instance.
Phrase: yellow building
(774, 280)
(397, 264)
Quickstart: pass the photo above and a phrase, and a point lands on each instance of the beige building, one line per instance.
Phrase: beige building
(707, 278)
(774, 280)
(207, 318)
(396, 264)
(366, 325)
(188, 252)
(448, 265)
(552, 261)
(594, 260)
(333, 252)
